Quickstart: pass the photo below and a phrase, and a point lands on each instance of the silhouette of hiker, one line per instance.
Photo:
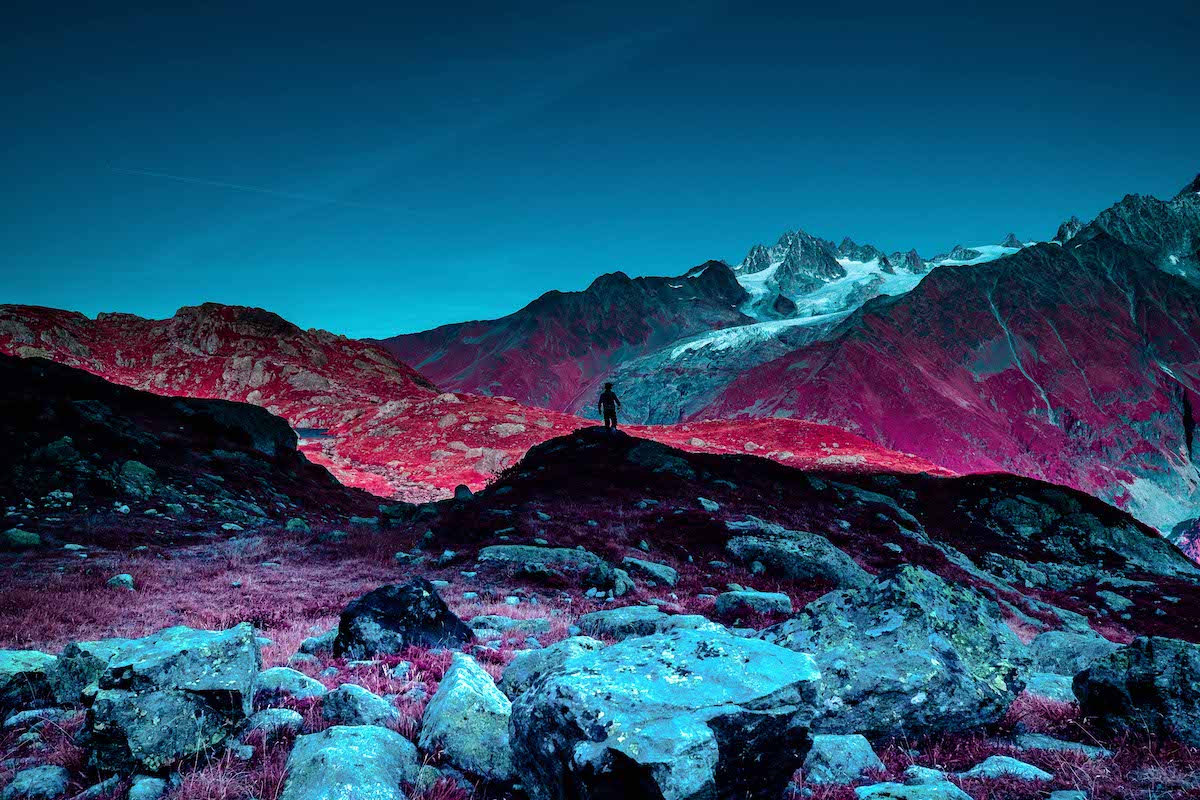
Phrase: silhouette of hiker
(608, 405)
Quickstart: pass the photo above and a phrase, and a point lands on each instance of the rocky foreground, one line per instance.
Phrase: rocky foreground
(612, 617)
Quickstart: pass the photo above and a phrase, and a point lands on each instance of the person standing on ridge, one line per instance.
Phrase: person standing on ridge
(608, 405)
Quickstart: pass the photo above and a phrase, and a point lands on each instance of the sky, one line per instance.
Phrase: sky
(381, 170)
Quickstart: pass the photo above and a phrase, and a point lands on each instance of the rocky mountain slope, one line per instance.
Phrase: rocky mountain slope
(553, 352)
(75, 445)
(1166, 233)
(615, 615)
(369, 418)
(1075, 364)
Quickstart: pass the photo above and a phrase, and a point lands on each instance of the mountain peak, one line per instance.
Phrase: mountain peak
(1066, 231)
(1012, 241)
(1191, 188)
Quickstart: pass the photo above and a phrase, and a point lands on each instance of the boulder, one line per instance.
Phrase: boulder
(24, 679)
(1064, 653)
(941, 790)
(592, 570)
(797, 555)
(350, 704)
(836, 759)
(684, 715)
(1040, 741)
(39, 783)
(350, 763)
(392, 617)
(910, 654)
(529, 665)
(1000, 767)
(1151, 686)
(622, 623)
(321, 643)
(146, 787)
(203, 681)
(467, 718)
(651, 570)
(79, 666)
(741, 602)
(283, 682)
(123, 582)
(17, 539)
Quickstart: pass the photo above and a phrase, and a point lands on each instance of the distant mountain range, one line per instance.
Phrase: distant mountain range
(1075, 360)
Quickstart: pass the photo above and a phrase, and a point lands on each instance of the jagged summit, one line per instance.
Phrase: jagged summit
(1012, 241)
(1067, 231)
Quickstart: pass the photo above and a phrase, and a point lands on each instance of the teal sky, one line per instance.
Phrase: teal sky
(374, 172)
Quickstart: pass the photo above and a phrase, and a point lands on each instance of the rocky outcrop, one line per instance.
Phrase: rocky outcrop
(393, 617)
(909, 654)
(203, 681)
(343, 762)
(350, 704)
(79, 666)
(684, 715)
(467, 720)
(837, 759)
(1152, 685)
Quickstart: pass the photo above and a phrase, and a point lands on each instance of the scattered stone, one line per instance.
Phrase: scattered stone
(123, 582)
(298, 525)
(102, 789)
(996, 767)
(467, 718)
(35, 716)
(350, 704)
(685, 715)
(910, 654)
(836, 759)
(740, 602)
(529, 665)
(203, 681)
(1149, 686)
(393, 617)
(323, 643)
(798, 555)
(629, 621)
(40, 783)
(711, 506)
(1114, 601)
(341, 763)
(283, 682)
(1068, 794)
(651, 570)
(916, 775)
(1040, 741)
(401, 671)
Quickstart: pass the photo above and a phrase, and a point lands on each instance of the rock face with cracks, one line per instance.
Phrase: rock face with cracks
(468, 720)
(393, 617)
(172, 695)
(908, 654)
(1151, 685)
(683, 715)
